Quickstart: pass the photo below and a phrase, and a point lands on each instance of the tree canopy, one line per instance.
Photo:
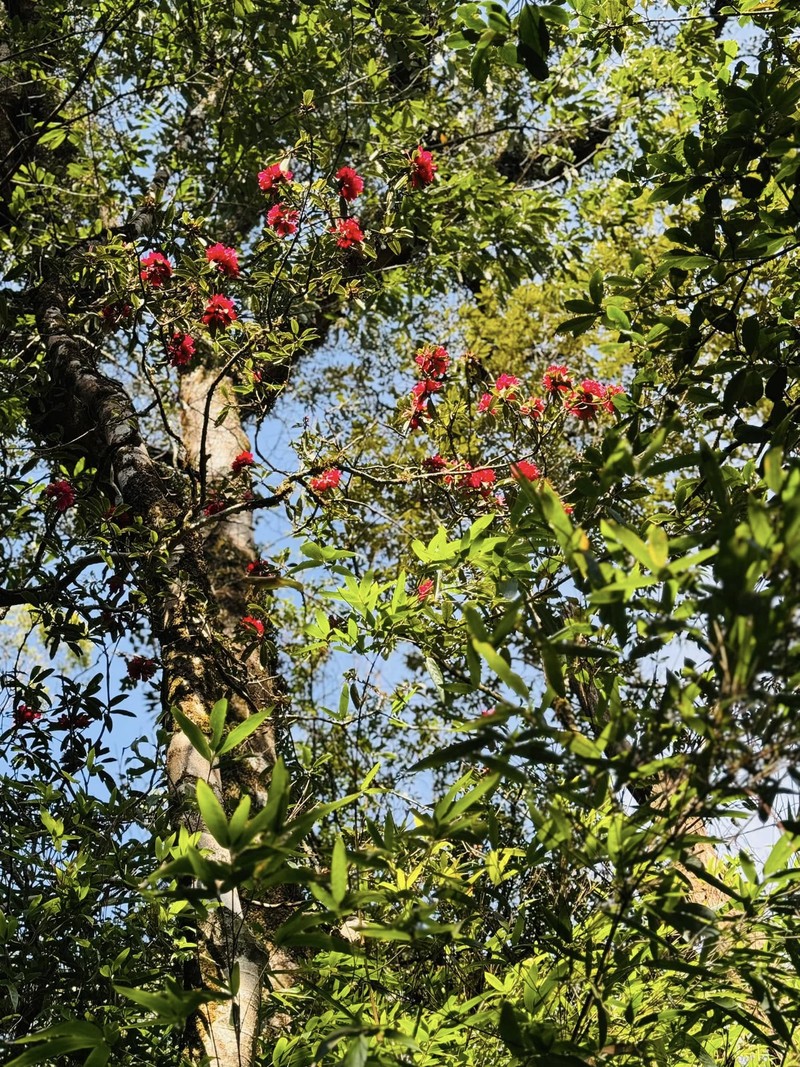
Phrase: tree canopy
(400, 533)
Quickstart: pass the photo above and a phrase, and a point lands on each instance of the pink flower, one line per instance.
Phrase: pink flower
(329, 479)
(348, 232)
(507, 382)
(585, 401)
(611, 391)
(433, 362)
(181, 350)
(351, 185)
(533, 408)
(225, 259)
(488, 711)
(557, 379)
(424, 589)
(243, 460)
(523, 469)
(141, 668)
(156, 269)
(423, 169)
(486, 404)
(62, 494)
(283, 220)
(219, 313)
(273, 177)
(24, 716)
(255, 626)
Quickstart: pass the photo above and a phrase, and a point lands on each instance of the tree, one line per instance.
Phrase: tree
(583, 592)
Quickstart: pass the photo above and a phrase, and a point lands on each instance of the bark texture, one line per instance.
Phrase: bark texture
(197, 598)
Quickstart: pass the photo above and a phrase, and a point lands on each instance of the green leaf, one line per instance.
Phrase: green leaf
(243, 730)
(339, 876)
(196, 736)
(217, 722)
(213, 814)
(500, 667)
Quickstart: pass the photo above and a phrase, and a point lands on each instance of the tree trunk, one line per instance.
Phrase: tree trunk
(196, 602)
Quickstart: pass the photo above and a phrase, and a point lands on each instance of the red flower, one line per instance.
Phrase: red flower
(348, 231)
(486, 404)
(181, 350)
(114, 314)
(283, 220)
(68, 722)
(225, 259)
(507, 382)
(24, 716)
(423, 169)
(422, 390)
(479, 479)
(533, 408)
(523, 469)
(273, 177)
(434, 464)
(329, 479)
(116, 583)
(585, 401)
(261, 568)
(611, 391)
(256, 626)
(156, 269)
(141, 668)
(433, 362)
(424, 589)
(351, 185)
(557, 379)
(244, 459)
(215, 505)
(219, 313)
(62, 494)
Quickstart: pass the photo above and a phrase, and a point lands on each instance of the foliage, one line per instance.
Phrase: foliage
(535, 619)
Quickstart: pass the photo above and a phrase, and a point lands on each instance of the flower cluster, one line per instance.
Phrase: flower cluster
(215, 505)
(424, 589)
(261, 568)
(586, 400)
(180, 350)
(253, 625)
(283, 220)
(225, 258)
(423, 169)
(156, 269)
(479, 480)
(77, 721)
(61, 493)
(273, 177)
(242, 462)
(114, 314)
(523, 469)
(351, 185)
(433, 362)
(329, 479)
(141, 668)
(219, 313)
(24, 715)
(348, 232)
